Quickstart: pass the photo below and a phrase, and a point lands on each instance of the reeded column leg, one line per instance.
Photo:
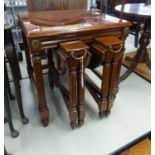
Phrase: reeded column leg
(73, 113)
(103, 104)
(77, 59)
(43, 109)
(81, 93)
(113, 86)
(82, 63)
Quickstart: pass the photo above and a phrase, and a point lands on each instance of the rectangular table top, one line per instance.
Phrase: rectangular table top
(88, 24)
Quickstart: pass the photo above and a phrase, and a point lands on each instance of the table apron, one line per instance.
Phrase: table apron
(39, 44)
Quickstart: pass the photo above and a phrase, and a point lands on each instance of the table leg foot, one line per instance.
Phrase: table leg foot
(102, 108)
(73, 125)
(73, 118)
(45, 123)
(81, 116)
(81, 123)
(107, 113)
(14, 133)
(44, 117)
(110, 104)
(25, 120)
(101, 114)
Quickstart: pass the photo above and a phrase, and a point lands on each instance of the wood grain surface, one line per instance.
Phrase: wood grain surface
(141, 69)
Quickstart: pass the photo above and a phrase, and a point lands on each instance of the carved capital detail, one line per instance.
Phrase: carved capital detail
(35, 44)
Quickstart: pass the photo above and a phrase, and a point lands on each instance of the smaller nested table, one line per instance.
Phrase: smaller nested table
(139, 12)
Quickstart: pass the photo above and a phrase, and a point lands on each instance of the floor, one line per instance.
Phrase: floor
(141, 148)
(130, 118)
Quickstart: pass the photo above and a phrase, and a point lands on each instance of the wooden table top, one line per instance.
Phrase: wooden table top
(57, 18)
(137, 9)
(88, 23)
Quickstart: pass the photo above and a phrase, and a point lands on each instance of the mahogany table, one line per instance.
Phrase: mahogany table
(37, 38)
(139, 12)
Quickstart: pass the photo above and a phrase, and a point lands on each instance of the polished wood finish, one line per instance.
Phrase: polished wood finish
(109, 41)
(53, 18)
(92, 23)
(47, 37)
(112, 49)
(44, 115)
(76, 56)
(140, 13)
(44, 5)
(74, 46)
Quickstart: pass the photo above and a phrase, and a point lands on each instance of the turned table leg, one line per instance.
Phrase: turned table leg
(73, 113)
(81, 92)
(79, 63)
(44, 114)
(82, 63)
